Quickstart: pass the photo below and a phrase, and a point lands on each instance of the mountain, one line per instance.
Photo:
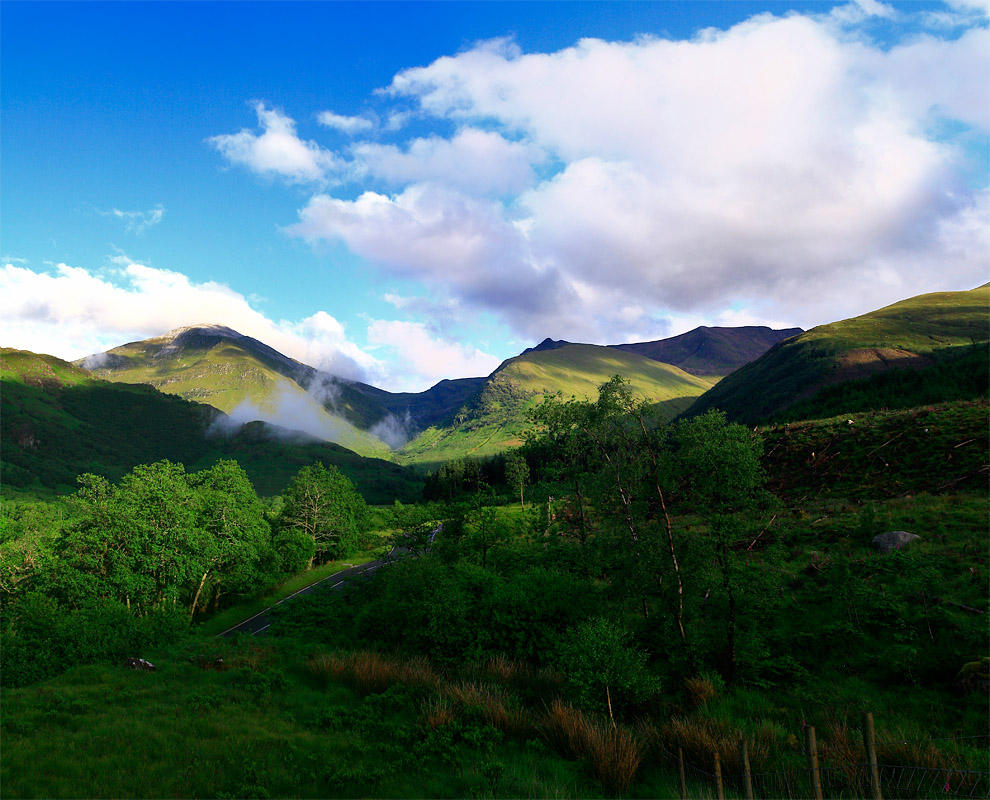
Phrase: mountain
(495, 418)
(248, 380)
(57, 421)
(712, 351)
(940, 335)
(546, 344)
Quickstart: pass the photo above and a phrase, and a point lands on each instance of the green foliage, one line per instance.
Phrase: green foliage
(717, 463)
(160, 543)
(451, 611)
(604, 670)
(517, 474)
(137, 542)
(42, 638)
(324, 505)
(28, 531)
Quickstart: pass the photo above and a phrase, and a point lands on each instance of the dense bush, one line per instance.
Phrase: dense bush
(42, 638)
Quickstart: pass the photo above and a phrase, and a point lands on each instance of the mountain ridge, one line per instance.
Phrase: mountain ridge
(247, 379)
(58, 421)
(908, 334)
(715, 350)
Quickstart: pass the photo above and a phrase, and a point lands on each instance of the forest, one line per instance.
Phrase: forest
(617, 590)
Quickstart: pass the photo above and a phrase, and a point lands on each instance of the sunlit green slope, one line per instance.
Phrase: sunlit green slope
(916, 333)
(57, 421)
(496, 417)
(248, 380)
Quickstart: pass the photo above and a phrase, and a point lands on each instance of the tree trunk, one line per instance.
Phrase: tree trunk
(677, 567)
(192, 608)
(731, 622)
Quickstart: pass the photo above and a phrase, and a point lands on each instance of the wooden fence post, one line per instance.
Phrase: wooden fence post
(870, 739)
(719, 789)
(680, 768)
(816, 777)
(747, 772)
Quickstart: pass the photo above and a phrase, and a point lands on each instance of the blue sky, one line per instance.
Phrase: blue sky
(403, 191)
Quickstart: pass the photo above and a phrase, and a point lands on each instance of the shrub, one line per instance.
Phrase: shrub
(603, 669)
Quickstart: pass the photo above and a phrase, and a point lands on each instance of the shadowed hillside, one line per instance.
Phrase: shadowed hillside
(59, 421)
(913, 334)
(712, 351)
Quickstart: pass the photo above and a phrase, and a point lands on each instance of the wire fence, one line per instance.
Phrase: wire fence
(869, 778)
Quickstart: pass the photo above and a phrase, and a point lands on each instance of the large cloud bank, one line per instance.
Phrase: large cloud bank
(789, 169)
(73, 312)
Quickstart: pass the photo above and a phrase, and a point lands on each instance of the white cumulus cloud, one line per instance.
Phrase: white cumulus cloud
(345, 124)
(782, 164)
(421, 358)
(277, 150)
(479, 162)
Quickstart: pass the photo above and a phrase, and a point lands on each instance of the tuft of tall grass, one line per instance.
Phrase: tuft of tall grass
(704, 687)
(495, 705)
(702, 737)
(438, 712)
(370, 672)
(532, 683)
(615, 752)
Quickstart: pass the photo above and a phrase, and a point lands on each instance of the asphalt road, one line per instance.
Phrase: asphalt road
(260, 622)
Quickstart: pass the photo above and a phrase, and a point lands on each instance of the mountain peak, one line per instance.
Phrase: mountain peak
(712, 350)
(203, 329)
(546, 344)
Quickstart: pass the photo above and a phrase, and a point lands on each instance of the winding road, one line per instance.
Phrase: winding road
(260, 622)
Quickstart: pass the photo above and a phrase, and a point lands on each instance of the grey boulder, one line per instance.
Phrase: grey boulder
(893, 540)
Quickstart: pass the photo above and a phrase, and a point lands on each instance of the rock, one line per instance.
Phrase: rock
(141, 664)
(893, 540)
(975, 676)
